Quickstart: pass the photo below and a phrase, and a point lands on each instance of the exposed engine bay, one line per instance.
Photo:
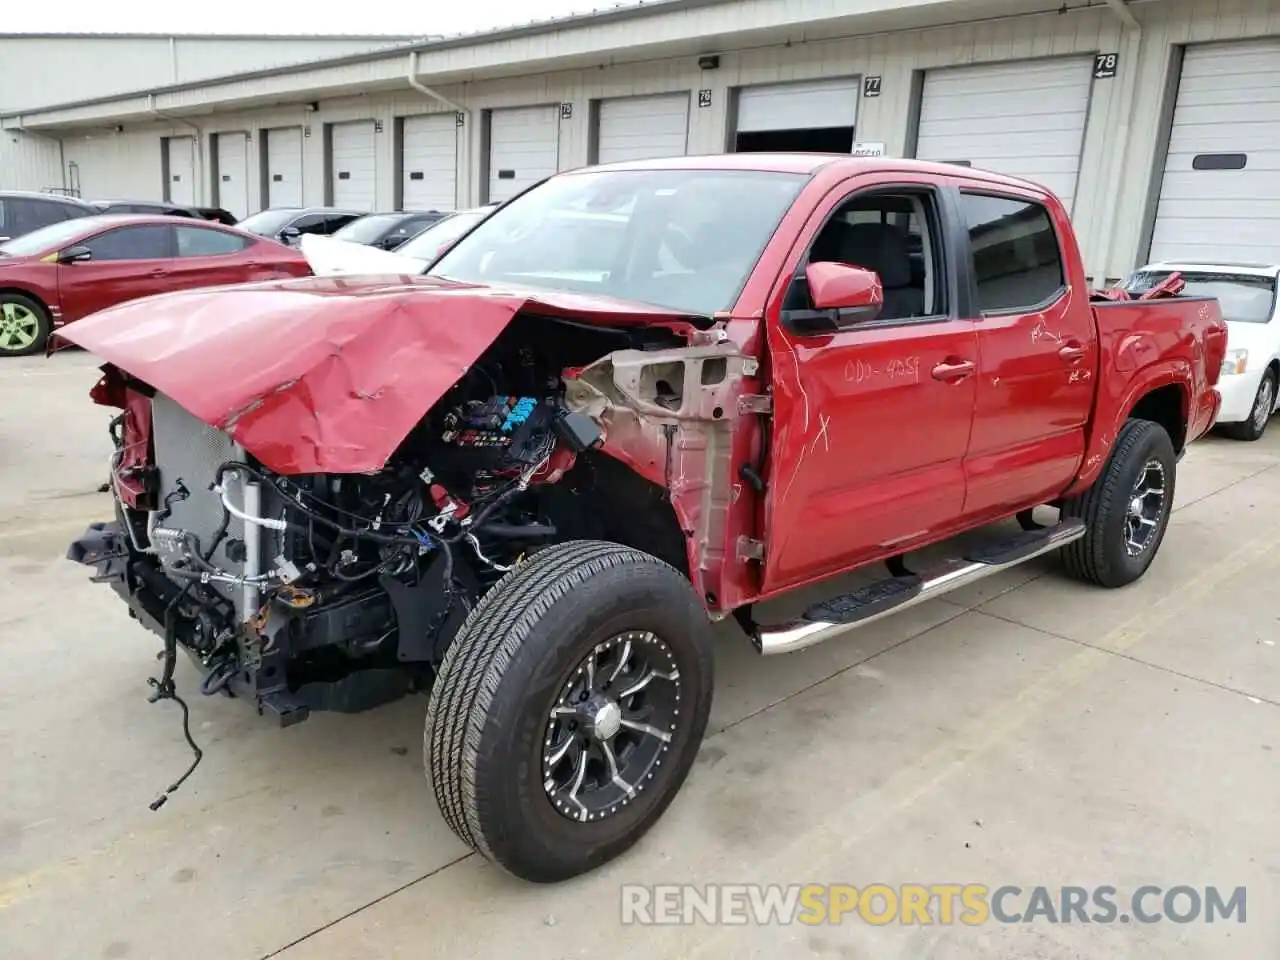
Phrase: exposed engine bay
(340, 591)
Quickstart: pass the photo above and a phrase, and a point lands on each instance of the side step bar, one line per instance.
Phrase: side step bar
(884, 597)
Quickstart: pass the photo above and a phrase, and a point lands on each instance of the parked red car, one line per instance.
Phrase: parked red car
(71, 269)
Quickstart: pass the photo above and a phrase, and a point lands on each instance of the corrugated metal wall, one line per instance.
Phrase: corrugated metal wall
(60, 65)
(1118, 157)
(28, 162)
(110, 166)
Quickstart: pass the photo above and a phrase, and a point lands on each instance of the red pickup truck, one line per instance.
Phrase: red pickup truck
(635, 400)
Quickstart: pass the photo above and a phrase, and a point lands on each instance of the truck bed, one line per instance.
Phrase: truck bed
(1150, 344)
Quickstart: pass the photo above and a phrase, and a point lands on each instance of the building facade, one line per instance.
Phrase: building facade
(1157, 121)
(43, 70)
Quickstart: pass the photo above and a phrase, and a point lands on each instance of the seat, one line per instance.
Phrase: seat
(881, 247)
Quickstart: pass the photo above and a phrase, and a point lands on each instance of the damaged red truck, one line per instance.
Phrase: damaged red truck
(638, 399)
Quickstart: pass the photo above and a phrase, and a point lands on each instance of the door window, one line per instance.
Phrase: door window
(334, 223)
(130, 243)
(894, 234)
(1017, 263)
(198, 242)
(311, 223)
(409, 228)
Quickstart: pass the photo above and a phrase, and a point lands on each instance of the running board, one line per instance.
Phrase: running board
(824, 620)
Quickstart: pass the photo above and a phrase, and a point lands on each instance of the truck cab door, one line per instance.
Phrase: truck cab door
(871, 418)
(1037, 348)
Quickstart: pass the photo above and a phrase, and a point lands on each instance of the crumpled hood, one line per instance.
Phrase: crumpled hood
(322, 375)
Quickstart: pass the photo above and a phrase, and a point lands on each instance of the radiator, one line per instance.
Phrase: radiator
(189, 452)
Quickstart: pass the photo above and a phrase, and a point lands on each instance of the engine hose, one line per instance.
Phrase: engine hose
(489, 508)
(231, 465)
(218, 678)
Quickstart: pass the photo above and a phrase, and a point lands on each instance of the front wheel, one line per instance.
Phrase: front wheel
(1127, 509)
(569, 709)
(1264, 403)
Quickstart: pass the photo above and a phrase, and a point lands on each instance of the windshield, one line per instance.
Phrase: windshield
(51, 237)
(368, 229)
(267, 223)
(1241, 297)
(681, 239)
(428, 244)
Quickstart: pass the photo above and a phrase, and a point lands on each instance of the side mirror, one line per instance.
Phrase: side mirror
(290, 235)
(851, 291)
(75, 255)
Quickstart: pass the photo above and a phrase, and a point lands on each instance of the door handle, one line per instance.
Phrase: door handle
(953, 370)
(1072, 352)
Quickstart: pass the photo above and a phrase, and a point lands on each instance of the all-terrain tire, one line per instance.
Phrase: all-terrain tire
(1264, 402)
(25, 325)
(1101, 556)
(487, 719)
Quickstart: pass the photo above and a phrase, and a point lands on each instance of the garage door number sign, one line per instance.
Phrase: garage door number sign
(871, 86)
(1104, 65)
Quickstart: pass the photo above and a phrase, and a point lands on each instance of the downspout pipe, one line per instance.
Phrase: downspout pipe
(427, 91)
(1121, 9)
(1120, 145)
(199, 157)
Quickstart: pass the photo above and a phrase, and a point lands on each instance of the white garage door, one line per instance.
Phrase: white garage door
(637, 128)
(1220, 195)
(524, 147)
(353, 163)
(284, 167)
(810, 105)
(233, 174)
(1025, 119)
(430, 161)
(182, 170)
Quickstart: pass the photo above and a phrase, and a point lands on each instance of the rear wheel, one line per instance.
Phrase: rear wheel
(1126, 511)
(24, 325)
(1264, 403)
(569, 709)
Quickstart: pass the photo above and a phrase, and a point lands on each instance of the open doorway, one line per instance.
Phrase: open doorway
(806, 116)
(814, 140)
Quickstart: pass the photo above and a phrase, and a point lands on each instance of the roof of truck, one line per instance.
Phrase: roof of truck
(811, 163)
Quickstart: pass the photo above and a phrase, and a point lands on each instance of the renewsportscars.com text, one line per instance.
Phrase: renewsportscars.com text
(971, 904)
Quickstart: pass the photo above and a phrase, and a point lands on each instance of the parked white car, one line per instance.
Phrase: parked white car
(331, 256)
(1251, 371)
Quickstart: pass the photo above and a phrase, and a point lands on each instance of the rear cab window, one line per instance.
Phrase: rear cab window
(1017, 259)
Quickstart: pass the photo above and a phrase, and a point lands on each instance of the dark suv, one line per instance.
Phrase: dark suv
(286, 224)
(216, 214)
(24, 212)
